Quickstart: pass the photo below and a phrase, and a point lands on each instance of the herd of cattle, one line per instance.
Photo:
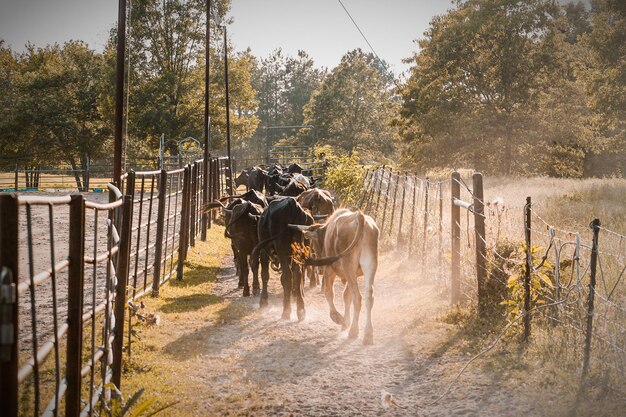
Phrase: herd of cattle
(295, 227)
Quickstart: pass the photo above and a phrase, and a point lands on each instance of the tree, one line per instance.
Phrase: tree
(471, 92)
(353, 107)
(55, 114)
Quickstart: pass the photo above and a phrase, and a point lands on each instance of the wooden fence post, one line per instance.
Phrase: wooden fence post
(370, 195)
(158, 248)
(9, 337)
(75, 285)
(529, 266)
(123, 263)
(481, 247)
(184, 225)
(595, 225)
(441, 277)
(455, 276)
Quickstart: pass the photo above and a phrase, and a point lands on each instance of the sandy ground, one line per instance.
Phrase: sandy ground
(262, 365)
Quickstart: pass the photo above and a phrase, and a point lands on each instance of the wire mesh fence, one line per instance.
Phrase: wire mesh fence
(70, 270)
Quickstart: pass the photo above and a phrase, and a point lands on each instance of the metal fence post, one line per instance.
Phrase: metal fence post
(75, 305)
(158, 250)
(481, 247)
(123, 263)
(402, 207)
(192, 206)
(529, 266)
(412, 227)
(184, 225)
(595, 225)
(393, 207)
(455, 276)
(382, 227)
(424, 241)
(441, 277)
(9, 262)
(205, 197)
(380, 187)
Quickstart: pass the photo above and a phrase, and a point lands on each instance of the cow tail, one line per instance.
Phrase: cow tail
(332, 259)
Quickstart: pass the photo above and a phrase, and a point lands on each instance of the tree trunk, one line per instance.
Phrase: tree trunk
(76, 174)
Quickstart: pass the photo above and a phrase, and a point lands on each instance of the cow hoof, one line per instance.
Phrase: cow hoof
(246, 292)
(345, 325)
(256, 291)
(368, 339)
(239, 286)
(336, 317)
(353, 334)
(301, 315)
(264, 303)
(286, 315)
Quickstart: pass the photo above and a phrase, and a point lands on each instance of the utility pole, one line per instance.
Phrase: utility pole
(205, 173)
(119, 92)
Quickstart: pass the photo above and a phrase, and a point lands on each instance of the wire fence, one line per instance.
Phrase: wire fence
(69, 287)
(507, 259)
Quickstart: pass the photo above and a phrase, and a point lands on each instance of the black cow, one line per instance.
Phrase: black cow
(242, 178)
(242, 230)
(275, 236)
(294, 168)
(256, 178)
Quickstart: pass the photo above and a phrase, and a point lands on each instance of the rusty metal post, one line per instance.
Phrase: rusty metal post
(382, 227)
(455, 275)
(75, 284)
(394, 204)
(9, 262)
(123, 264)
(158, 249)
(365, 186)
(402, 207)
(529, 267)
(412, 227)
(192, 206)
(595, 225)
(184, 224)
(481, 246)
(440, 252)
(380, 186)
(426, 200)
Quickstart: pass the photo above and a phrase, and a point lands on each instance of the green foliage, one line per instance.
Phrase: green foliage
(133, 407)
(344, 177)
(541, 286)
(353, 107)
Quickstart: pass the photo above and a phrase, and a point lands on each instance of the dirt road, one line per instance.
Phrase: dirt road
(254, 363)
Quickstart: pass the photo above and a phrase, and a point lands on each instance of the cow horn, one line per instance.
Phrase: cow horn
(254, 217)
(298, 227)
(229, 211)
(320, 216)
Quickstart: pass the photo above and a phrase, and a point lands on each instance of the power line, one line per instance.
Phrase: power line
(368, 42)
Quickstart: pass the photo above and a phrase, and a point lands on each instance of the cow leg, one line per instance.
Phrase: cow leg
(347, 303)
(285, 280)
(329, 283)
(298, 285)
(265, 276)
(236, 257)
(369, 266)
(254, 266)
(243, 268)
(312, 271)
(356, 300)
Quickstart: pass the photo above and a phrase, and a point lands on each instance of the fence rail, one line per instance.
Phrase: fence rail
(61, 359)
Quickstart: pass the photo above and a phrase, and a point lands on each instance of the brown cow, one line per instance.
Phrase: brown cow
(321, 204)
(348, 246)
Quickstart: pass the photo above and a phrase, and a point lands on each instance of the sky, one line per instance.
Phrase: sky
(319, 27)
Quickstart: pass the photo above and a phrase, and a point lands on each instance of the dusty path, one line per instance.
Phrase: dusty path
(246, 361)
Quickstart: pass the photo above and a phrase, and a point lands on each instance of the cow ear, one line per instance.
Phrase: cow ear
(254, 217)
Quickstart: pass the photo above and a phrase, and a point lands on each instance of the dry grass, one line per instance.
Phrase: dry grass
(165, 354)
